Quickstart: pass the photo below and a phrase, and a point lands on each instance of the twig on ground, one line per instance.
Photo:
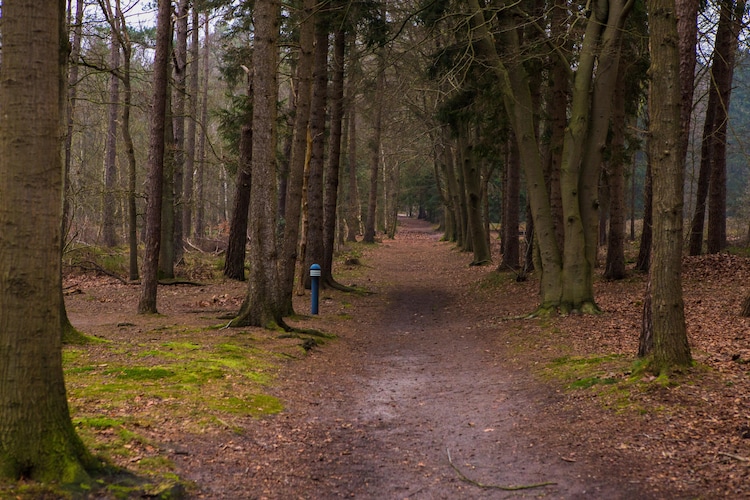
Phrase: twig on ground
(736, 457)
(465, 479)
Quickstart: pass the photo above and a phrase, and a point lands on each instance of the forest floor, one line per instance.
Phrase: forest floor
(435, 386)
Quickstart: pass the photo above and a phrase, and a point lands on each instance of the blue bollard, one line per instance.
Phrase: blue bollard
(314, 287)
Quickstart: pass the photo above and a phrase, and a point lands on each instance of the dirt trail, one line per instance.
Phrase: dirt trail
(414, 395)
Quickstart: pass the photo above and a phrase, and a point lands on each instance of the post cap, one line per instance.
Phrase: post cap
(315, 270)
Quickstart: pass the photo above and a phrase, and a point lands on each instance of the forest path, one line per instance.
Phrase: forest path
(414, 394)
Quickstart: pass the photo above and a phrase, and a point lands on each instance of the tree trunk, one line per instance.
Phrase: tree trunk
(75, 54)
(166, 247)
(516, 97)
(109, 226)
(471, 174)
(353, 217)
(37, 438)
(667, 308)
(377, 129)
(127, 94)
(155, 180)
(234, 264)
(511, 209)
(297, 157)
(315, 248)
(558, 96)
(200, 209)
(262, 305)
(117, 23)
(643, 262)
(614, 268)
(178, 119)
(187, 193)
(330, 198)
(726, 52)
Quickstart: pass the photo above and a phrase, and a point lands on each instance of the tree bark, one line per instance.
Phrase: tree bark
(614, 267)
(234, 263)
(717, 200)
(262, 305)
(188, 200)
(511, 209)
(330, 198)
(475, 222)
(353, 216)
(178, 118)
(166, 247)
(297, 157)
(154, 183)
(37, 438)
(200, 202)
(315, 247)
(667, 308)
(109, 231)
(377, 130)
(643, 262)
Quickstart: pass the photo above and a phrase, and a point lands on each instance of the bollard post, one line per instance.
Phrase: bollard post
(314, 287)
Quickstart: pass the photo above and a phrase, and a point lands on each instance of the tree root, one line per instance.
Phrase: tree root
(465, 479)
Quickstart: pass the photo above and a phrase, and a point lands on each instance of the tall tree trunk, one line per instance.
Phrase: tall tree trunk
(614, 268)
(667, 308)
(117, 22)
(75, 54)
(166, 247)
(315, 247)
(109, 226)
(712, 128)
(155, 180)
(127, 94)
(178, 119)
(472, 176)
(558, 96)
(516, 97)
(37, 438)
(262, 304)
(330, 198)
(377, 130)
(717, 198)
(511, 209)
(190, 153)
(584, 146)
(643, 262)
(353, 217)
(297, 157)
(234, 263)
(200, 209)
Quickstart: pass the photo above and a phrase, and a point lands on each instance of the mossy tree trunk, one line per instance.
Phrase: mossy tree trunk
(37, 438)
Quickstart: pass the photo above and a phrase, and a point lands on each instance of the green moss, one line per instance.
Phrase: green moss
(256, 405)
(142, 373)
(97, 422)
